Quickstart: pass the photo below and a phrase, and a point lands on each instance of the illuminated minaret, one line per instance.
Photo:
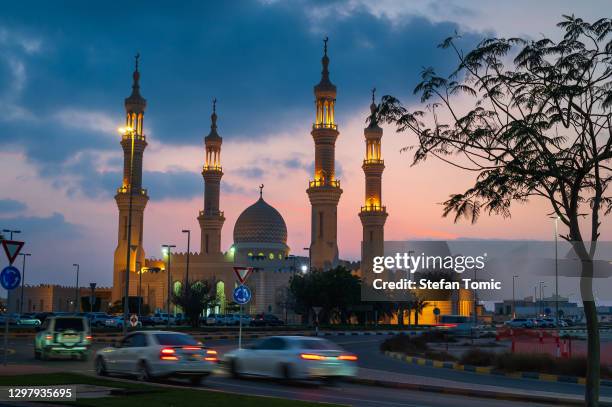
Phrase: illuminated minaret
(133, 142)
(324, 191)
(373, 214)
(211, 218)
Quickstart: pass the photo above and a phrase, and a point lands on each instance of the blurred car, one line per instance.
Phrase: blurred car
(520, 323)
(216, 319)
(42, 316)
(161, 318)
(292, 358)
(63, 335)
(151, 354)
(23, 320)
(266, 320)
(146, 320)
(98, 319)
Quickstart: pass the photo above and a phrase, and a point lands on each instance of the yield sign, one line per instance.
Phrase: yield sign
(242, 273)
(12, 249)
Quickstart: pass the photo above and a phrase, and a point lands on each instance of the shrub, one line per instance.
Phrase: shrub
(477, 357)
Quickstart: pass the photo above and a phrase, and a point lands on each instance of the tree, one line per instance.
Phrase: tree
(537, 125)
(194, 298)
(418, 305)
(336, 290)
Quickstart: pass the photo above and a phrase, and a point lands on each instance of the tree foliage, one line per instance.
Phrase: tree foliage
(530, 118)
(336, 290)
(194, 298)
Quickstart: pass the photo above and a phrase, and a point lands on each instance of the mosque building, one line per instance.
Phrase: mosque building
(260, 232)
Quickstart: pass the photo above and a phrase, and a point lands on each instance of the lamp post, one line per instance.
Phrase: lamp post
(126, 300)
(11, 232)
(309, 258)
(23, 281)
(92, 299)
(76, 289)
(187, 260)
(556, 218)
(541, 307)
(513, 298)
(139, 271)
(167, 250)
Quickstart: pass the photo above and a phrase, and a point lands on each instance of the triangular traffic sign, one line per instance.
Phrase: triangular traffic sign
(242, 273)
(12, 249)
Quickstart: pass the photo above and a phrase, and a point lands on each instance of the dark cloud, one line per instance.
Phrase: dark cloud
(11, 206)
(260, 60)
(250, 172)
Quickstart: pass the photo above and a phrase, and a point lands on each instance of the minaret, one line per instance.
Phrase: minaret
(373, 214)
(324, 191)
(133, 142)
(211, 218)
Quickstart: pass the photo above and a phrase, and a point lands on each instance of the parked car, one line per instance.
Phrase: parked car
(216, 319)
(234, 319)
(266, 320)
(146, 320)
(63, 335)
(42, 316)
(23, 320)
(520, 323)
(292, 358)
(161, 318)
(151, 354)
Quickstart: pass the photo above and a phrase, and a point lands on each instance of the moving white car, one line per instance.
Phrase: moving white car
(292, 358)
(151, 354)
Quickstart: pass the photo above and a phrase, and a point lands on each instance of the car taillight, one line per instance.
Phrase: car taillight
(211, 355)
(352, 358)
(49, 337)
(192, 347)
(168, 354)
(311, 356)
(89, 337)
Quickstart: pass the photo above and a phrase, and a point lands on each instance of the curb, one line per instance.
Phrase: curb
(499, 395)
(491, 371)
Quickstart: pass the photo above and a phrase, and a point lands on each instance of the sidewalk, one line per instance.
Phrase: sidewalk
(421, 383)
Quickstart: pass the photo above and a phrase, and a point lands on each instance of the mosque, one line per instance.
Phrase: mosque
(260, 232)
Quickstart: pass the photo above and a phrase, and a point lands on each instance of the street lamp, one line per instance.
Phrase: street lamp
(92, 299)
(513, 298)
(556, 218)
(76, 289)
(128, 131)
(11, 232)
(187, 265)
(166, 249)
(23, 281)
(309, 258)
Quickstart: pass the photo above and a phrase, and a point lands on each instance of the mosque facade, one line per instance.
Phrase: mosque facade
(260, 232)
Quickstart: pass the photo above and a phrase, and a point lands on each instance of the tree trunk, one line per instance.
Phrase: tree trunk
(591, 395)
(416, 317)
(400, 316)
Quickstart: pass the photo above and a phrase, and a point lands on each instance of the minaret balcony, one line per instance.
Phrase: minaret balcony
(325, 126)
(124, 190)
(373, 208)
(373, 161)
(128, 136)
(212, 213)
(212, 168)
(324, 183)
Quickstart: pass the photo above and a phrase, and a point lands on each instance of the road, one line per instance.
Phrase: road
(344, 393)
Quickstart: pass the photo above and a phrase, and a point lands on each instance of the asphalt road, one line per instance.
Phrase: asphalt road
(344, 393)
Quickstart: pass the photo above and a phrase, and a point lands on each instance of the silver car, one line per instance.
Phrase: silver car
(151, 354)
(293, 358)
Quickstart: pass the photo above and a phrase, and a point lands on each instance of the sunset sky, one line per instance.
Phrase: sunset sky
(65, 70)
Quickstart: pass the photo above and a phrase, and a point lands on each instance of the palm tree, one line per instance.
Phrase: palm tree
(418, 305)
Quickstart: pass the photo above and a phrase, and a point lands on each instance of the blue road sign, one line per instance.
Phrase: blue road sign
(242, 294)
(10, 278)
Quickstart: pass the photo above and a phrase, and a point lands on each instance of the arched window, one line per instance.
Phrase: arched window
(271, 256)
(176, 288)
(221, 297)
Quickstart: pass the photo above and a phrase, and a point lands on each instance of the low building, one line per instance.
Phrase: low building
(56, 298)
(530, 308)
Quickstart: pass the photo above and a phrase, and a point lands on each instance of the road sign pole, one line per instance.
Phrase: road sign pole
(6, 326)
(240, 329)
